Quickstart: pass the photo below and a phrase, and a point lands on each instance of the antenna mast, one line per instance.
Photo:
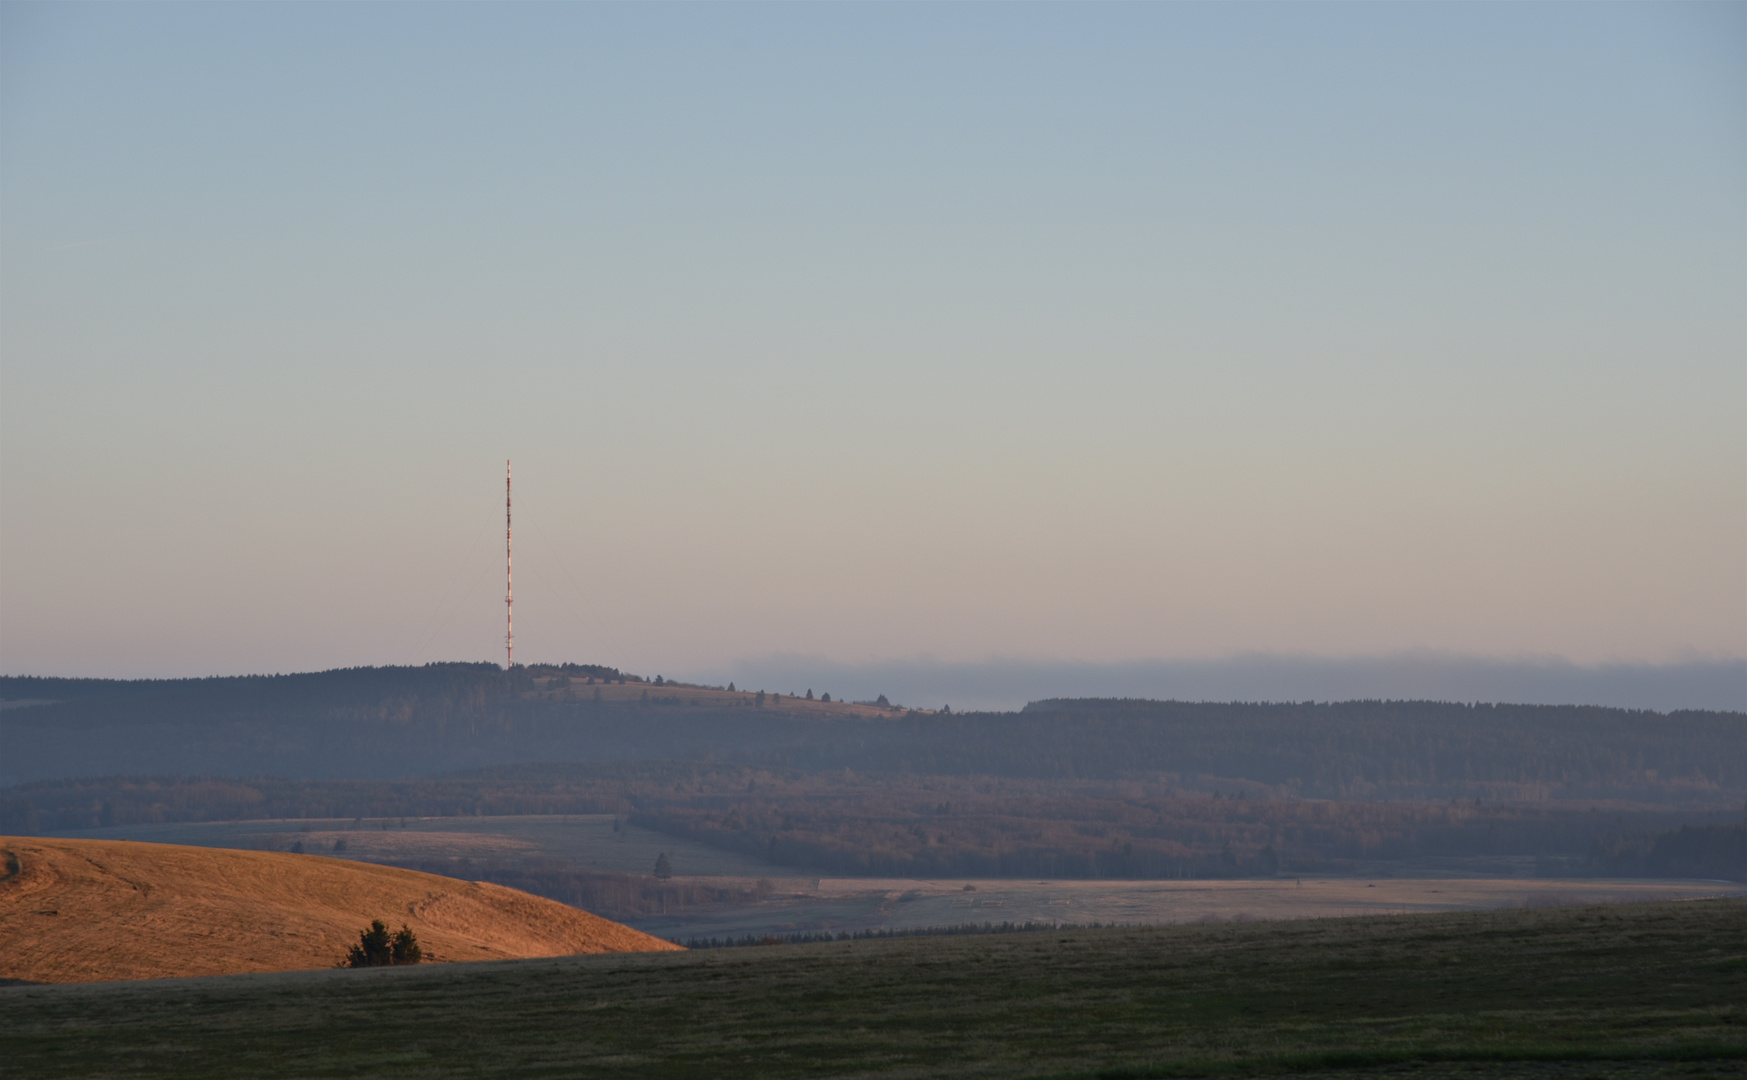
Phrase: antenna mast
(509, 592)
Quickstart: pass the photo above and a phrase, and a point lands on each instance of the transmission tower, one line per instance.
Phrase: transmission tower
(509, 591)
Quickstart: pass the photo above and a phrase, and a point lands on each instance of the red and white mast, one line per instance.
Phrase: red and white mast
(509, 592)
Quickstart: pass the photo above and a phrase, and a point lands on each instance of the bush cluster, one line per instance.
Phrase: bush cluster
(378, 948)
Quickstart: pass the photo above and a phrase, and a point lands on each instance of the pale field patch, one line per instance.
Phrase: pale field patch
(918, 903)
(854, 904)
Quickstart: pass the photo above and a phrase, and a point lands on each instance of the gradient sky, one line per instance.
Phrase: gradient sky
(1073, 333)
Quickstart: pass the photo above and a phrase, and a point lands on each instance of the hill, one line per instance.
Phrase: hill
(398, 723)
(1640, 991)
(94, 910)
(391, 722)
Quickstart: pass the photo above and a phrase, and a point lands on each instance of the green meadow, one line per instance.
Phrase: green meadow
(1631, 990)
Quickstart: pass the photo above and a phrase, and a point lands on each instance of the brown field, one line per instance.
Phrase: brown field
(97, 910)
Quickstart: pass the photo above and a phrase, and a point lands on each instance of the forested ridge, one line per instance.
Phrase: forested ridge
(1383, 748)
(382, 693)
(408, 722)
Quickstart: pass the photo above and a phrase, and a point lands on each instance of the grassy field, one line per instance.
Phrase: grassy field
(1636, 990)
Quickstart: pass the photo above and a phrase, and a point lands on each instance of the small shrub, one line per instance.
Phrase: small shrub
(378, 948)
(405, 947)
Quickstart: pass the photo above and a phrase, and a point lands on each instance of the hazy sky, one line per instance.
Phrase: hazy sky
(865, 332)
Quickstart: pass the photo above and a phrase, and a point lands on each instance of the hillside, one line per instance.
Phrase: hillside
(94, 910)
(394, 722)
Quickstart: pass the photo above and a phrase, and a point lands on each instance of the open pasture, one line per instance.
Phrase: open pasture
(925, 903)
(1637, 990)
(850, 904)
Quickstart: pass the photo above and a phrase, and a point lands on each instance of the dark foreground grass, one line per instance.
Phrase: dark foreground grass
(1652, 990)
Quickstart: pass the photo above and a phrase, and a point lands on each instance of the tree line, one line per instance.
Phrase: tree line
(444, 718)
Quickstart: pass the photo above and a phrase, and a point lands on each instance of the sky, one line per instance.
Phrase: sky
(872, 334)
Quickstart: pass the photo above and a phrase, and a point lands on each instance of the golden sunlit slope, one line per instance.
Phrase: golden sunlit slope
(92, 910)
